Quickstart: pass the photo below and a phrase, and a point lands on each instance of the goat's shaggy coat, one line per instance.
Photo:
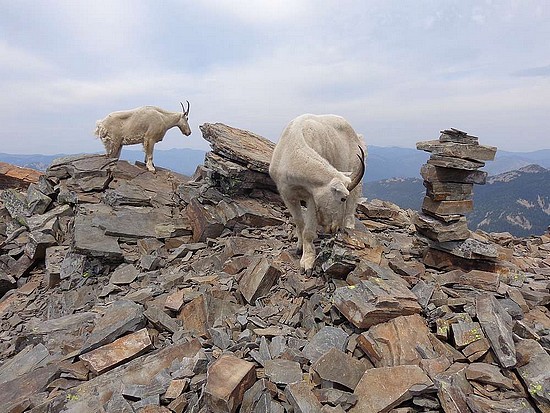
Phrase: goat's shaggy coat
(316, 163)
(146, 124)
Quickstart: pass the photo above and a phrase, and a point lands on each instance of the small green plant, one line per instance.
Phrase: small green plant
(535, 389)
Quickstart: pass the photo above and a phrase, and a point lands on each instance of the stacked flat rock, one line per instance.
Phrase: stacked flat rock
(449, 177)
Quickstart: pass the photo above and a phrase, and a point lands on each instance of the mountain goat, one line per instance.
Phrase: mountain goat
(316, 163)
(146, 125)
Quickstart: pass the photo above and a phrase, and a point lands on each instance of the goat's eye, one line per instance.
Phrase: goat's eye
(343, 199)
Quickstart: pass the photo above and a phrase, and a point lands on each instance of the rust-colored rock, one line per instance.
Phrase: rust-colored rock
(228, 378)
(119, 351)
(12, 176)
(381, 389)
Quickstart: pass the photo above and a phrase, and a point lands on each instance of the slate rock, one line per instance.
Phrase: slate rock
(38, 243)
(91, 394)
(92, 241)
(374, 301)
(397, 342)
(283, 372)
(301, 398)
(453, 389)
(497, 325)
(441, 231)
(455, 163)
(161, 320)
(259, 397)
(534, 369)
(119, 318)
(380, 389)
(480, 404)
(37, 202)
(433, 173)
(338, 367)
(336, 397)
(233, 178)
(457, 136)
(441, 208)
(488, 374)
(7, 282)
(461, 150)
(202, 312)
(246, 148)
(16, 393)
(124, 274)
(258, 279)
(328, 337)
(119, 351)
(228, 378)
(28, 359)
(15, 203)
(448, 191)
(466, 333)
(127, 194)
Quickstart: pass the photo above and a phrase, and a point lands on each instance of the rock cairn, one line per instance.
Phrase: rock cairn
(449, 177)
(127, 291)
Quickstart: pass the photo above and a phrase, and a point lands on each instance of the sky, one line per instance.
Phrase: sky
(399, 71)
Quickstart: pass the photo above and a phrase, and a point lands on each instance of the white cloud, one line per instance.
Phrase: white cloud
(260, 12)
(102, 27)
(18, 61)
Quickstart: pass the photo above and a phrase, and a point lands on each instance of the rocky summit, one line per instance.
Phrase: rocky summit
(127, 291)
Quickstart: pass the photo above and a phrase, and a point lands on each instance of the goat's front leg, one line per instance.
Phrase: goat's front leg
(308, 235)
(112, 147)
(296, 211)
(148, 149)
(351, 205)
(117, 149)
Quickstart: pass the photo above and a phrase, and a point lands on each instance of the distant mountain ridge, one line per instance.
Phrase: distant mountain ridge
(382, 162)
(515, 201)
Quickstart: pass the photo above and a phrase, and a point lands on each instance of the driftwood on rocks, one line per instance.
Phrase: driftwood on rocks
(127, 291)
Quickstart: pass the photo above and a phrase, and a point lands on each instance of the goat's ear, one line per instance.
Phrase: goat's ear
(348, 175)
(337, 186)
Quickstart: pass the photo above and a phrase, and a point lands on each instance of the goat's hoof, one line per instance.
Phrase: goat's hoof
(309, 272)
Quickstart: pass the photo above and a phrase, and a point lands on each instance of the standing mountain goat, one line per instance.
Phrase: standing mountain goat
(147, 125)
(319, 161)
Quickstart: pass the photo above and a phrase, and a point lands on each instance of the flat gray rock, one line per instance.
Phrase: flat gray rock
(119, 318)
(327, 338)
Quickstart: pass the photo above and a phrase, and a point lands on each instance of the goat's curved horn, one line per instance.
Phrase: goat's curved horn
(357, 178)
(185, 112)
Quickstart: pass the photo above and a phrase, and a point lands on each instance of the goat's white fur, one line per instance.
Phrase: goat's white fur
(314, 163)
(146, 125)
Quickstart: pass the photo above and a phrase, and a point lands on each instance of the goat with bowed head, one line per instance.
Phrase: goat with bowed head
(318, 165)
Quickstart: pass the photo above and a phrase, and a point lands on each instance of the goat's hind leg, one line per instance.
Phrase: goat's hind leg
(296, 211)
(148, 149)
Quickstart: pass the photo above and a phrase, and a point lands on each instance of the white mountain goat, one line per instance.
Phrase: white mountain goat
(319, 161)
(146, 125)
